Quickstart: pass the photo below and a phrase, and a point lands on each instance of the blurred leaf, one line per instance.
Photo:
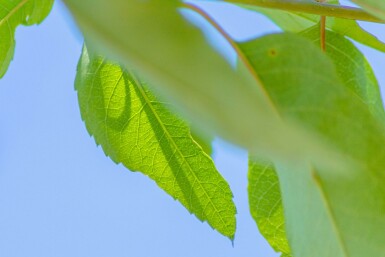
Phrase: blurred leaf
(327, 212)
(266, 204)
(12, 14)
(153, 38)
(205, 141)
(296, 22)
(135, 129)
(376, 7)
(353, 69)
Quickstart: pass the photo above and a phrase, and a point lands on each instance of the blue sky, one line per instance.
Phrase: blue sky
(60, 195)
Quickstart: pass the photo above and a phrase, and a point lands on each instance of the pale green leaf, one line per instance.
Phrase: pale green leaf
(12, 14)
(266, 204)
(264, 191)
(327, 212)
(296, 22)
(173, 56)
(376, 7)
(136, 129)
(352, 68)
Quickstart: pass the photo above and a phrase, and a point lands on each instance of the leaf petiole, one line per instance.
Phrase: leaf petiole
(323, 29)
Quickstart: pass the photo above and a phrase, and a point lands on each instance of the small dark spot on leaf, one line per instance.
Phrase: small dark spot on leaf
(272, 52)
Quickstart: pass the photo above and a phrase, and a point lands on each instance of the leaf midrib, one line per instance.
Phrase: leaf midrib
(13, 11)
(330, 213)
(149, 104)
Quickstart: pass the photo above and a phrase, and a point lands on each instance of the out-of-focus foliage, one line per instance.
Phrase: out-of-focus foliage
(376, 7)
(316, 117)
(320, 204)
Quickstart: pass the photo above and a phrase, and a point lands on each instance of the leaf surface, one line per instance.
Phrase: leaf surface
(205, 141)
(352, 68)
(328, 213)
(12, 14)
(376, 7)
(136, 129)
(153, 38)
(296, 22)
(266, 204)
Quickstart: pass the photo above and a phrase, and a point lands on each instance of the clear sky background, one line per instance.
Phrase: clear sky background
(60, 196)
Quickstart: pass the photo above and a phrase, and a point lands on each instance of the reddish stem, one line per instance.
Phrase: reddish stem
(323, 33)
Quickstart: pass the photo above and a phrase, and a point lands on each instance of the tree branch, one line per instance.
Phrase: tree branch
(322, 9)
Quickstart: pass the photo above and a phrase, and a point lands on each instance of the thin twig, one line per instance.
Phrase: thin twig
(322, 9)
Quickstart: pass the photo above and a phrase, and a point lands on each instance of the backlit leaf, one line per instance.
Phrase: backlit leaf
(12, 14)
(266, 204)
(136, 129)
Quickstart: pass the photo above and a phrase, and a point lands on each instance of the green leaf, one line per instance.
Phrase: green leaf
(328, 212)
(155, 40)
(136, 129)
(12, 14)
(296, 22)
(266, 204)
(352, 68)
(205, 141)
(376, 7)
